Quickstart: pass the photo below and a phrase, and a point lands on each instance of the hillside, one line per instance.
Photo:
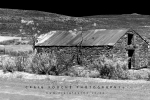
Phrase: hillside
(26, 23)
(19, 22)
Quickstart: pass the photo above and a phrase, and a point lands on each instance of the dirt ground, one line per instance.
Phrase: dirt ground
(23, 86)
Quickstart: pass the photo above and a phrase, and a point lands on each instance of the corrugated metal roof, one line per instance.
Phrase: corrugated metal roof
(88, 38)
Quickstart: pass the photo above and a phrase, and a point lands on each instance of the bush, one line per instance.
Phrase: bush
(106, 71)
(15, 64)
(8, 63)
(50, 64)
(21, 63)
(148, 77)
(119, 72)
(143, 74)
(44, 63)
(115, 68)
(77, 71)
(8, 68)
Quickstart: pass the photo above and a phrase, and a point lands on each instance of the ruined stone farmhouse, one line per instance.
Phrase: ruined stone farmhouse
(75, 47)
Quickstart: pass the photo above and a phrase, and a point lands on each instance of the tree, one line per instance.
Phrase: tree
(34, 41)
(79, 52)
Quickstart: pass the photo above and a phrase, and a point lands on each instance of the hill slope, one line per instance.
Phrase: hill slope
(26, 23)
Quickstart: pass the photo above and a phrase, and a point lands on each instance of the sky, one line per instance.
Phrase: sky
(81, 8)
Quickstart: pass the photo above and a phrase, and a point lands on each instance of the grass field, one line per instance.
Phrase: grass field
(5, 38)
(30, 89)
(16, 47)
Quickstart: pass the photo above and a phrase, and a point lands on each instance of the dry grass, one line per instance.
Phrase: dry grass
(9, 49)
(47, 64)
(33, 63)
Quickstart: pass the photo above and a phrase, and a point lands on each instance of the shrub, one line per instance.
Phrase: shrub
(8, 68)
(77, 71)
(143, 74)
(106, 71)
(148, 77)
(65, 61)
(8, 63)
(44, 63)
(119, 72)
(115, 68)
(20, 63)
(15, 64)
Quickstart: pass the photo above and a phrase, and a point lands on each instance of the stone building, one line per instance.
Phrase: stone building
(76, 46)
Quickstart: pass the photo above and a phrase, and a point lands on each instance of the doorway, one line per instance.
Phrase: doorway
(131, 58)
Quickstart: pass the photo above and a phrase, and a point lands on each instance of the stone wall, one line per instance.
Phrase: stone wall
(76, 55)
(141, 52)
(88, 54)
(119, 48)
(140, 56)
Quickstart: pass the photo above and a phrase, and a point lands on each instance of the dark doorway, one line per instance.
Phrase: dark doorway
(130, 36)
(131, 55)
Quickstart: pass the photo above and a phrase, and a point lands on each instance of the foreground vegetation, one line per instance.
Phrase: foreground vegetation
(48, 64)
